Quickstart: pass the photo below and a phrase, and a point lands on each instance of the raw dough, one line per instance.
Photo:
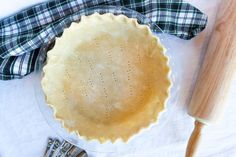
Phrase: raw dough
(106, 77)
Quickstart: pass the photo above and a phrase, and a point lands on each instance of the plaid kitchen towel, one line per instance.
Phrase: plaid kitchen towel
(26, 36)
(55, 148)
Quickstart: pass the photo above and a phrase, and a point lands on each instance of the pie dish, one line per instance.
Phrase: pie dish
(107, 77)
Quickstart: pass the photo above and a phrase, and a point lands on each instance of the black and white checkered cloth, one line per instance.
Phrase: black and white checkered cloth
(26, 36)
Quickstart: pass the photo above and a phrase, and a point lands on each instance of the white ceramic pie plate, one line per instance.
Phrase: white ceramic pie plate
(146, 136)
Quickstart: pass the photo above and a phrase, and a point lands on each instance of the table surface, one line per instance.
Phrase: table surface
(24, 131)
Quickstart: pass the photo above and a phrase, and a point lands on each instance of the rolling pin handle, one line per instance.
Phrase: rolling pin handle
(194, 140)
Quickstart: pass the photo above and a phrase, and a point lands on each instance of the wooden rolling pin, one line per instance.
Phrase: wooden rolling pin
(215, 75)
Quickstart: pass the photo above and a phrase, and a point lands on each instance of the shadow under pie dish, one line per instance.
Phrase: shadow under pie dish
(107, 77)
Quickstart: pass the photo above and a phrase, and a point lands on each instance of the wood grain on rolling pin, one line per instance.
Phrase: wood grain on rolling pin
(218, 67)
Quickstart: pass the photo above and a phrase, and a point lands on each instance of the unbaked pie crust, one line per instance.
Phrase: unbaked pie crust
(107, 77)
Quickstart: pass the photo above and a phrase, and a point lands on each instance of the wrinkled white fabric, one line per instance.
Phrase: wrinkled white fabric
(24, 131)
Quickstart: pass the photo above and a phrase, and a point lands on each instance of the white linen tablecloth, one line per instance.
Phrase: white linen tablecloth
(24, 131)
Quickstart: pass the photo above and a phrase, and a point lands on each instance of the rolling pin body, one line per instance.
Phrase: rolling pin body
(218, 67)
